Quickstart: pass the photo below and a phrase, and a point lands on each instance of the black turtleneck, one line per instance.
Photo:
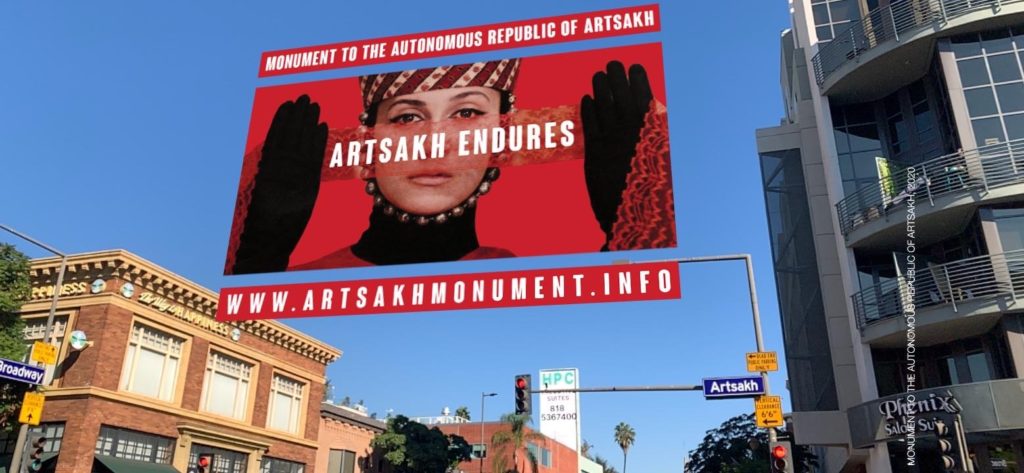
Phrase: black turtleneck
(389, 241)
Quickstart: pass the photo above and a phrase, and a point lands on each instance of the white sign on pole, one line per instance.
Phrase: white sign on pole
(560, 412)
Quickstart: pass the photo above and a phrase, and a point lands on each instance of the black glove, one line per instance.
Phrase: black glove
(285, 188)
(612, 120)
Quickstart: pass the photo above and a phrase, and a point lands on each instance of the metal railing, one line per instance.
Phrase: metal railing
(442, 419)
(962, 172)
(951, 284)
(887, 23)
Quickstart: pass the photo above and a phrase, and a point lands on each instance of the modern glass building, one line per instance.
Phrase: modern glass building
(894, 187)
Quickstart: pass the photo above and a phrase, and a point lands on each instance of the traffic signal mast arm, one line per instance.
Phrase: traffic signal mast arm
(670, 387)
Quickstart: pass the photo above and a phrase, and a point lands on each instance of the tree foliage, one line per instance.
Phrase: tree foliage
(462, 412)
(411, 447)
(726, 449)
(585, 449)
(608, 468)
(15, 289)
(515, 439)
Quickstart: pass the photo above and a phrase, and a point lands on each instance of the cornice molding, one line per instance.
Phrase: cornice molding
(175, 295)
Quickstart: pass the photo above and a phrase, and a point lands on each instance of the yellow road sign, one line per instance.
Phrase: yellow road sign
(45, 353)
(31, 408)
(759, 361)
(768, 410)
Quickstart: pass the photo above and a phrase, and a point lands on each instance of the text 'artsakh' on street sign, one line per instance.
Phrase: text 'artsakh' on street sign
(760, 361)
(768, 411)
(21, 372)
(31, 408)
(733, 387)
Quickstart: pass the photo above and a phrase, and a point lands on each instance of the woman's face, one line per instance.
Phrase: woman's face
(432, 186)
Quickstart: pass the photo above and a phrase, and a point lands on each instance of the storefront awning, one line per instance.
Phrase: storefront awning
(120, 465)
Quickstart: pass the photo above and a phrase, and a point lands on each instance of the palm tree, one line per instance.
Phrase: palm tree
(462, 412)
(516, 438)
(604, 464)
(585, 449)
(624, 436)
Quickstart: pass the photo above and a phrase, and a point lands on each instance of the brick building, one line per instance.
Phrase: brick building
(163, 382)
(552, 456)
(345, 436)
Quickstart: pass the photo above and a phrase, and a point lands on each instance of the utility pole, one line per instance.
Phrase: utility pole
(758, 338)
(19, 446)
(483, 445)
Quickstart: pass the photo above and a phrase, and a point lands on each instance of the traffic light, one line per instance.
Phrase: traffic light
(946, 443)
(781, 456)
(205, 463)
(523, 394)
(33, 456)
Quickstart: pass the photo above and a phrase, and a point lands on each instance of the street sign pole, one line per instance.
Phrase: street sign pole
(19, 445)
(758, 338)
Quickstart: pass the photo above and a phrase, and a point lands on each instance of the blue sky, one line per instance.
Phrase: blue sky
(124, 126)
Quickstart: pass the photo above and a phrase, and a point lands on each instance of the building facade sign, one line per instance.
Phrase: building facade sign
(983, 407)
(559, 412)
(66, 289)
(902, 415)
(165, 305)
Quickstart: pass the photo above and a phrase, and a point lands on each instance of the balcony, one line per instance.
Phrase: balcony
(956, 292)
(938, 184)
(888, 28)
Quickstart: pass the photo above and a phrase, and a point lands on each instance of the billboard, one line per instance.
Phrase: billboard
(511, 156)
(560, 412)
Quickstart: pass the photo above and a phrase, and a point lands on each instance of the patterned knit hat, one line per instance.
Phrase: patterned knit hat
(499, 75)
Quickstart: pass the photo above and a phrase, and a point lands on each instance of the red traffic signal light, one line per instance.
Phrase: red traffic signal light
(781, 457)
(205, 462)
(779, 452)
(522, 396)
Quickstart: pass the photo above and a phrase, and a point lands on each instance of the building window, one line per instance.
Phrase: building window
(132, 445)
(479, 451)
(226, 388)
(832, 17)
(541, 454)
(990, 71)
(151, 364)
(35, 330)
(341, 461)
(858, 144)
(224, 461)
(277, 465)
(285, 404)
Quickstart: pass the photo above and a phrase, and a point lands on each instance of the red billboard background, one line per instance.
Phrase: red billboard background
(538, 209)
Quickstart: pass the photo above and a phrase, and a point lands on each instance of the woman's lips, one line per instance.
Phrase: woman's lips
(431, 179)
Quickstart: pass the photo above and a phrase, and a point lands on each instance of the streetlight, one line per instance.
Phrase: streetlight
(480, 452)
(23, 430)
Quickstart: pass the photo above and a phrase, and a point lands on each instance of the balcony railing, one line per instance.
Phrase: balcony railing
(950, 284)
(962, 172)
(890, 22)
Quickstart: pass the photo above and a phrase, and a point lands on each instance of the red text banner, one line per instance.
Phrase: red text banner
(498, 36)
(581, 285)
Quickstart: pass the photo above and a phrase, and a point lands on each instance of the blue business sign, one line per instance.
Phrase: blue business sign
(21, 372)
(733, 386)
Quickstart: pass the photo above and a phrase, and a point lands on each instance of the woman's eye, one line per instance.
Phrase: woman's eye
(468, 113)
(406, 118)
